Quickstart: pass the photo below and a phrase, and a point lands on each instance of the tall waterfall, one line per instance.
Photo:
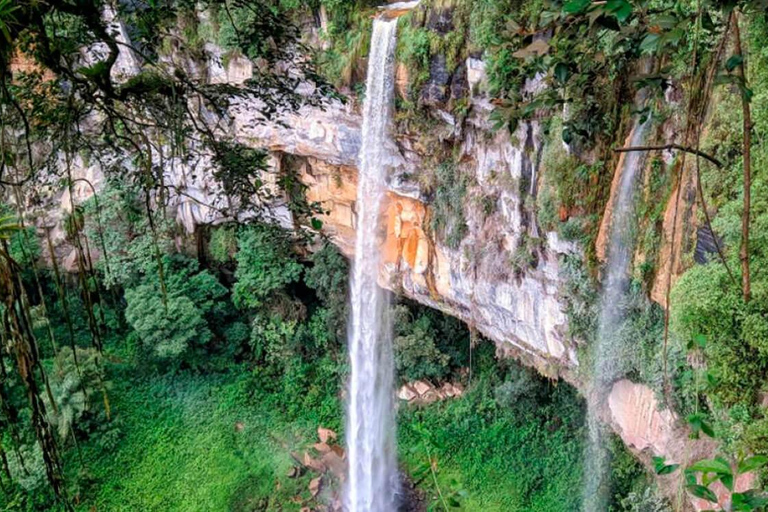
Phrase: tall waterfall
(372, 480)
(606, 354)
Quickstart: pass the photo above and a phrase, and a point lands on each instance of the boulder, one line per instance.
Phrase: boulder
(406, 393)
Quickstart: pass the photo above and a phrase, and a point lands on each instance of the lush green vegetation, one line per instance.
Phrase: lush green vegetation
(165, 378)
(201, 407)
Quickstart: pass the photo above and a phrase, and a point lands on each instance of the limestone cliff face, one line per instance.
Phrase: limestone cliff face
(475, 280)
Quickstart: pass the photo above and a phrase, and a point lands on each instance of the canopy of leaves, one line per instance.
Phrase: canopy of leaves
(263, 265)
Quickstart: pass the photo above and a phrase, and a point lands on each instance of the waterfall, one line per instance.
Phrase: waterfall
(607, 355)
(372, 480)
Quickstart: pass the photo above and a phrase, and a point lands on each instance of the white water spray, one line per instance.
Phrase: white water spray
(607, 356)
(372, 481)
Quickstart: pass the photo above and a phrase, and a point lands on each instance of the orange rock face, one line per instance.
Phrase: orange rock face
(405, 240)
(677, 236)
(405, 244)
(335, 189)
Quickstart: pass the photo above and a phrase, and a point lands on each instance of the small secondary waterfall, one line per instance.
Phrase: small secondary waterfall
(607, 362)
(372, 481)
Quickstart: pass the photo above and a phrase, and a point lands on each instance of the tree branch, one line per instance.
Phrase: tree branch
(678, 147)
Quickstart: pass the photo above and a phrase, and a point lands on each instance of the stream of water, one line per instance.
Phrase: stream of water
(607, 355)
(372, 480)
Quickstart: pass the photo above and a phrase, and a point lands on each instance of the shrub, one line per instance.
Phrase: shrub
(167, 331)
(223, 244)
(76, 390)
(417, 355)
(520, 389)
(704, 303)
(265, 265)
(646, 501)
(328, 277)
(448, 219)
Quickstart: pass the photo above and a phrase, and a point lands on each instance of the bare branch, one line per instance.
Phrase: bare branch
(678, 147)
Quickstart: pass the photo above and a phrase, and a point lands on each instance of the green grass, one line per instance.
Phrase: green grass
(182, 449)
(499, 459)
(199, 443)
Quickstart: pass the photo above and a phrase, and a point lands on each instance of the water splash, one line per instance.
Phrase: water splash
(372, 481)
(607, 356)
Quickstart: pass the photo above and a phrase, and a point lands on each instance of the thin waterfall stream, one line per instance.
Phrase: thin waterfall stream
(607, 363)
(372, 480)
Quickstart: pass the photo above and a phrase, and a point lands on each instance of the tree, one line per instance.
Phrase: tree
(77, 389)
(264, 265)
(167, 334)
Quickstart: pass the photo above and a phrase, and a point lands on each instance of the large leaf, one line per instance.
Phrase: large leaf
(664, 21)
(702, 492)
(727, 481)
(536, 48)
(750, 500)
(650, 43)
(561, 72)
(733, 62)
(752, 463)
(662, 468)
(717, 466)
(698, 424)
(576, 6)
(619, 8)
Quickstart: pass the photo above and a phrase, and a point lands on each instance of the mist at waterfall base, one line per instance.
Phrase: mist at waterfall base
(372, 480)
(607, 363)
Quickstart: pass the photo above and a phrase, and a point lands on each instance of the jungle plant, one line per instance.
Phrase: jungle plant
(77, 391)
(417, 355)
(448, 219)
(264, 265)
(328, 277)
(702, 474)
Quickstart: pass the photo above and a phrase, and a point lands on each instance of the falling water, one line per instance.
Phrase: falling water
(607, 357)
(372, 481)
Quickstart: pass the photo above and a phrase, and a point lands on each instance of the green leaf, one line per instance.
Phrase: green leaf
(700, 340)
(733, 62)
(317, 224)
(752, 463)
(650, 43)
(619, 8)
(662, 468)
(750, 500)
(747, 92)
(561, 72)
(717, 466)
(669, 468)
(702, 492)
(576, 6)
(665, 21)
(727, 481)
(699, 425)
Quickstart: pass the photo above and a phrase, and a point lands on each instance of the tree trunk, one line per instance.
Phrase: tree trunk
(741, 72)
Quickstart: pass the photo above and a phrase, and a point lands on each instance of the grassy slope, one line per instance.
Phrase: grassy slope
(181, 451)
(504, 461)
